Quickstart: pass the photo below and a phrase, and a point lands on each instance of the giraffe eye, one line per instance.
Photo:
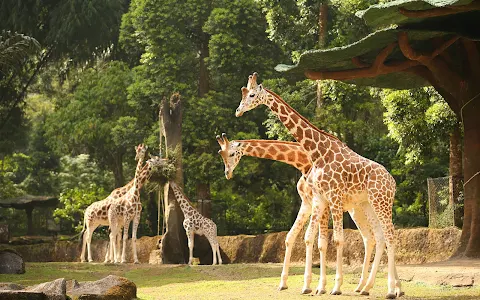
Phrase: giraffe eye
(232, 154)
(252, 95)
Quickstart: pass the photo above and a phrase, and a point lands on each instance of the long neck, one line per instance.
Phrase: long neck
(138, 170)
(182, 200)
(313, 140)
(144, 175)
(287, 152)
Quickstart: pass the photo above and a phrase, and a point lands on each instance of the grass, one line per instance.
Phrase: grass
(235, 281)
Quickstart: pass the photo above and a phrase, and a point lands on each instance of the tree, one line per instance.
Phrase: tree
(97, 119)
(420, 50)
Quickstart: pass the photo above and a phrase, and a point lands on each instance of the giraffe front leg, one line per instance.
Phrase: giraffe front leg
(302, 216)
(318, 208)
(337, 215)
(136, 221)
(125, 238)
(191, 239)
(360, 215)
(89, 242)
(322, 248)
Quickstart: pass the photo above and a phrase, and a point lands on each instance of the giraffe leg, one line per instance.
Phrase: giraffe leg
(359, 216)
(218, 253)
(84, 243)
(213, 245)
(384, 215)
(191, 239)
(302, 216)
(125, 238)
(113, 244)
(118, 241)
(322, 248)
(319, 206)
(89, 233)
(337, 215)
(136, 221)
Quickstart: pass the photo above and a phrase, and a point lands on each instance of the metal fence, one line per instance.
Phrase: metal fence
(445, 202)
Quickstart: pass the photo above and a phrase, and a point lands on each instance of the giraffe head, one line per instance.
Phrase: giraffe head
(252, 95)
(141, 151)
(154, 162)
(231, 154)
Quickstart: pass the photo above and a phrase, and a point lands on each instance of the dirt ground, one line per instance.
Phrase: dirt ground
(453, 272)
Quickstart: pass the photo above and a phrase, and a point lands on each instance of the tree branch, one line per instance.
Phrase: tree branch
(411, 54)
(377, 68)
(439, 11)
(21, 95)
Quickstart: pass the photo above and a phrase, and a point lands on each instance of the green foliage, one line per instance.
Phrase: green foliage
(80, 183)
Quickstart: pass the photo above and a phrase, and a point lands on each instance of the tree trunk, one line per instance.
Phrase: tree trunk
(322, 41)
(471, 173)
(29, 211)
(456, 175)
(204, 205)
(117, 169)
(174, 241)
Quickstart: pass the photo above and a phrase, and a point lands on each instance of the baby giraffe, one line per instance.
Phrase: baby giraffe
(194, 222)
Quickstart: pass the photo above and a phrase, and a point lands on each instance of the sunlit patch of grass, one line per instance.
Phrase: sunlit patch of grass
(235, 281)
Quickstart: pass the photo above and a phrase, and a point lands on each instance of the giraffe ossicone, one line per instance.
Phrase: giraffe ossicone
(340, 178)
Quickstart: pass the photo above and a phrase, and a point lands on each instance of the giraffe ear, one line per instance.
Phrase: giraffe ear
(220, 151)
(244, 92)
(260, 87)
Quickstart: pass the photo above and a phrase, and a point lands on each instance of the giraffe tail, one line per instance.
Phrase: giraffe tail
(80, 235)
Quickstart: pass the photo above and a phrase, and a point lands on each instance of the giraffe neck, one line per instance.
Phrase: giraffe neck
(287, 152)
(182, 200)
(144, 175)
(313, 140)
(138, 171)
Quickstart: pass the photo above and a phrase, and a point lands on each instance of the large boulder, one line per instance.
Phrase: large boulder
(111, 287)
(11, 262)
(4, 234)
(22, 295)
(54, 290)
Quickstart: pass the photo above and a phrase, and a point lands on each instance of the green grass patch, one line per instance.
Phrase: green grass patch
(235, 281)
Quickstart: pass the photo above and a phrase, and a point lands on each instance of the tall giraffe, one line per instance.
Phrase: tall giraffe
(339, 178)
(194, 222)
(293, 154)
(128, 208)
(96, 214)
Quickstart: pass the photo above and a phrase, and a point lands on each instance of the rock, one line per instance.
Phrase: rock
(10, 286)
(54, 290)
(22, 295)
(11, 262)
(4, 234)
(111, 287)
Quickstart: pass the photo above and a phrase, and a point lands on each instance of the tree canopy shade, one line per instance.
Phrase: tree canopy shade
(434, 42)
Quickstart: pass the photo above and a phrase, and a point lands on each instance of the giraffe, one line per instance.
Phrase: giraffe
(293, 154)
(339, 178)
(128, 208)
(194, 222)
(96, 213)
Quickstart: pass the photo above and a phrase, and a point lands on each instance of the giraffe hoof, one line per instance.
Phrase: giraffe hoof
(136, 262)
(390, 296)
(364, 293)
(357, 291)
(306, 291)
(336, 293)
(320, 292)
(282, 287)
(400, 294)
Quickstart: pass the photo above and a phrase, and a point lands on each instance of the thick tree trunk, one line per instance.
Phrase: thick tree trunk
(118, 170)
(471, 173)
(322, 41)
(174, 241)
(29, 211)
(456, 174)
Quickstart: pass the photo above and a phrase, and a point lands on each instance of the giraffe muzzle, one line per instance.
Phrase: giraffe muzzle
(238, 113)
(228, 174)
